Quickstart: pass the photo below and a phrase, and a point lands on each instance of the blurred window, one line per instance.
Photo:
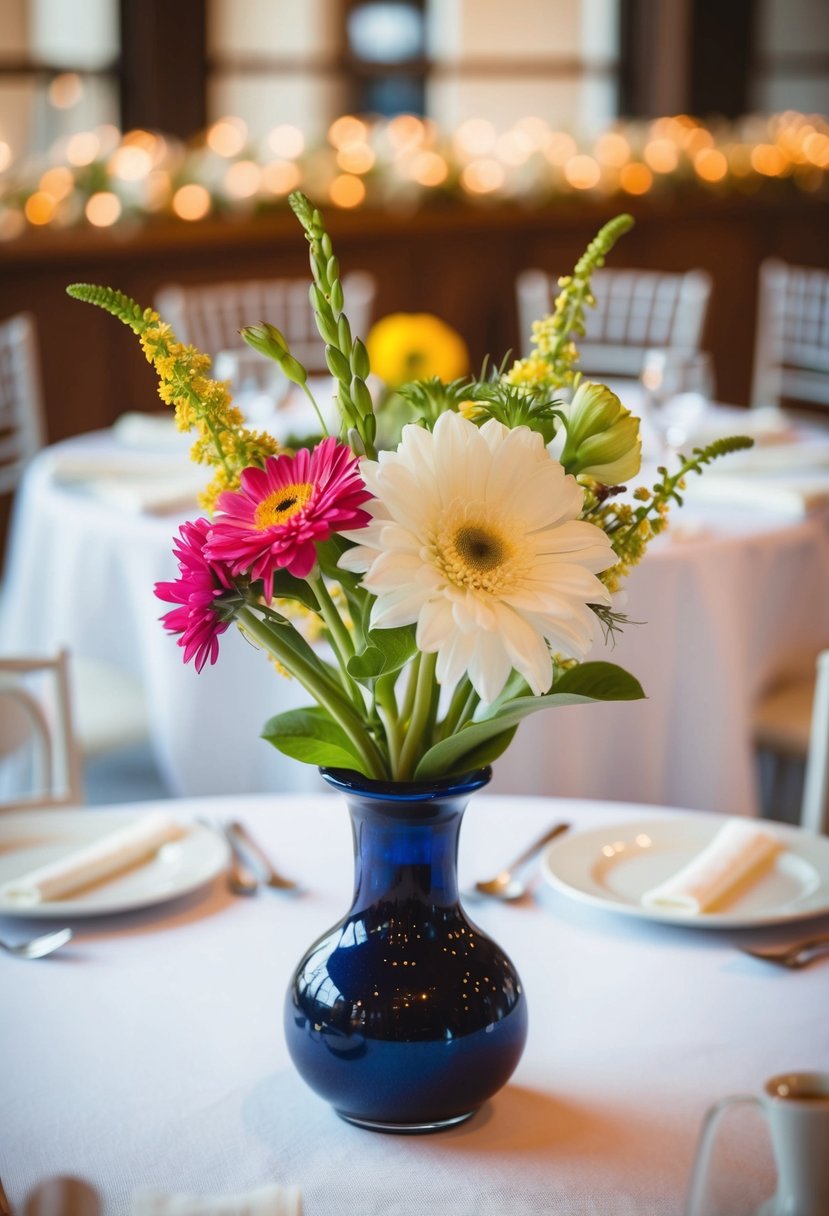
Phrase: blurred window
(58, 72)
(276, 62)
(791, 56)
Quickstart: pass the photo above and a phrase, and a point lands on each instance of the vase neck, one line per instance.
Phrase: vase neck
(406, 851)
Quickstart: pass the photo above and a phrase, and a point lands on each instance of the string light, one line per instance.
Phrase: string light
(400, 160)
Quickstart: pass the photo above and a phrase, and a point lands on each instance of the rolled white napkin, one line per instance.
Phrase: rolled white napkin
(273, 1200)
(738, 852)
(93, 862)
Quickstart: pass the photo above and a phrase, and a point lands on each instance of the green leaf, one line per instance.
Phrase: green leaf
(312, 736)
(576, 686)
(387, 650)
(286, 587)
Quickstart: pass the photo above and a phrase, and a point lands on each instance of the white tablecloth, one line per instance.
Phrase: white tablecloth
(735, 599)
(149, 1052)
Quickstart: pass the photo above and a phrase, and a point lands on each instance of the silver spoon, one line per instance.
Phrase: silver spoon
(38, 947)
(506, 885)
(793, 955)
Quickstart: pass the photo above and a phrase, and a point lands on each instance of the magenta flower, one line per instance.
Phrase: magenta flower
(200, 583)
(283, 511)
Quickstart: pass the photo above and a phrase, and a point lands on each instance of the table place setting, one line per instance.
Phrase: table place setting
(79, 863)
(697, 869)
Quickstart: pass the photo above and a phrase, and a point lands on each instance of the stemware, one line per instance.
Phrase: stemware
(678, 385)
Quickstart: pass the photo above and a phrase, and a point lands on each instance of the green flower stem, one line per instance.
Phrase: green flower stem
(331, 700)
(387, 704)
(317, 409)
(456, 706)
(411, 684)
(419, 725)
(339, 636)
(469, 706)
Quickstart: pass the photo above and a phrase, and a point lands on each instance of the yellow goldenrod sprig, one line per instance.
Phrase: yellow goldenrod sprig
(555, 355)
(201, 404)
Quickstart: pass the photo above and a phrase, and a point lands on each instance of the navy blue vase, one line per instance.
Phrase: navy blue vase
(405, 1016)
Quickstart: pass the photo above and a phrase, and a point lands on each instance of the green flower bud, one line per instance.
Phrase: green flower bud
(602, 436)
(268, 341)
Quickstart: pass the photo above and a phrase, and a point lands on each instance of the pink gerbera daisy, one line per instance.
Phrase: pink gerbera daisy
(200, 583)
(283, 511)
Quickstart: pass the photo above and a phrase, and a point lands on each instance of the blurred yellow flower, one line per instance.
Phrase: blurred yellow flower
(415, 346)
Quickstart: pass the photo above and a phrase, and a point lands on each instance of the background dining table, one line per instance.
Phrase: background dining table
(149, 1052)
(730, 599)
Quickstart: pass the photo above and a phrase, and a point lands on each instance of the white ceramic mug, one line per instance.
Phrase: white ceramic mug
(796, 1106)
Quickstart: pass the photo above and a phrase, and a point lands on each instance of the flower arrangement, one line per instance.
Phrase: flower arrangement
(458, 580)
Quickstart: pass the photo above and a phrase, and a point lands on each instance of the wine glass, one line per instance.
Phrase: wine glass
(259, 386)
(678, 387)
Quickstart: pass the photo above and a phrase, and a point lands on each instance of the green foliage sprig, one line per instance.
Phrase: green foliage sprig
(346, 356)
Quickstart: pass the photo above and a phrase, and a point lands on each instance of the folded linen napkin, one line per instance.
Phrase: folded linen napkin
(274, 1200)
(101, 858)
(739, 852)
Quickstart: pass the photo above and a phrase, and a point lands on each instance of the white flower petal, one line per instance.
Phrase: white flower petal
(489, 666)
(476, 539)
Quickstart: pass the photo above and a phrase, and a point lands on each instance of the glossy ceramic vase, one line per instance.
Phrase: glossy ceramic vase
(405, 1016)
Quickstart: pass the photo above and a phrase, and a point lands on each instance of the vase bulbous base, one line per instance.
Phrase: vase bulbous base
(405, 1016)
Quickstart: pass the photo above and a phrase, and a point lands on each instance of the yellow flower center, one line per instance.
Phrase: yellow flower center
(278, 507)
(477, 555)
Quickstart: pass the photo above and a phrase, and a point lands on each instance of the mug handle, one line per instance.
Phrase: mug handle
(705, 1147)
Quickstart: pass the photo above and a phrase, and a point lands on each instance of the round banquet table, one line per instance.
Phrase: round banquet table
(726, 602)
(149, 1051)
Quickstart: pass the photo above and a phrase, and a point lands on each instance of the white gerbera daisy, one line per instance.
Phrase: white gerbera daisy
(475, 536)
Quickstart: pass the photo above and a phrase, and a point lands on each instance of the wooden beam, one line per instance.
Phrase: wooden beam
(163, 65)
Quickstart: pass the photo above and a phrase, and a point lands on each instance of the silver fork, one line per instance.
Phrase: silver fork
(242, 841)
(240, 879)
(794, 955)
(38, 947)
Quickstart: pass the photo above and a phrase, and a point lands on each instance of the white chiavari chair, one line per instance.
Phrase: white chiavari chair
(210, 316)
(791, 349)
(40, 763)
(636, 311)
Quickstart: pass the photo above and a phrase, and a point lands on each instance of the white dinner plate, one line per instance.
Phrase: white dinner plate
(613, 866)
(33, 838)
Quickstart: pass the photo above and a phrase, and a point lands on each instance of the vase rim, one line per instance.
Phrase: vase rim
(348, 781)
